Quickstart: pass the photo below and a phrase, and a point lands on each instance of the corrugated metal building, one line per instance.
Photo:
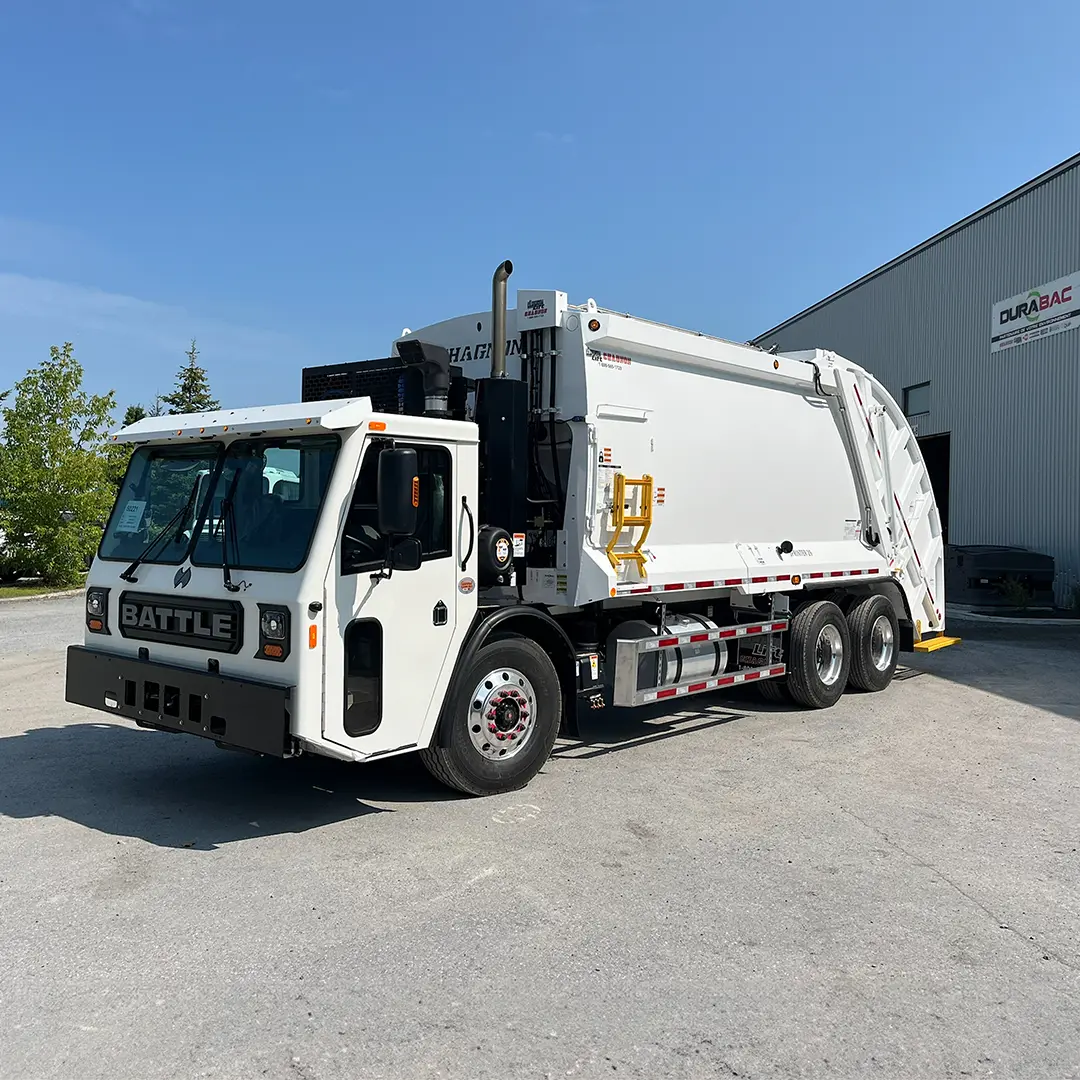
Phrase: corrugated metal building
(970, 332)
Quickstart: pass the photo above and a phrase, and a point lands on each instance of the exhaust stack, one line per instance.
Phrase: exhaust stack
(498, 319)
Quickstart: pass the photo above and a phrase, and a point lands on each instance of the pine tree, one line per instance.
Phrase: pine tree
(133, 414)
(192, 393)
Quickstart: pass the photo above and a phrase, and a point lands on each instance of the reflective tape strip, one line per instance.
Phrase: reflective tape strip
(727, 583)
(720, 634)
(666, 692)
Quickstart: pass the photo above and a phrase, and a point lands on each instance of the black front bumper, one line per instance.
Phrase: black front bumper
(236, 712)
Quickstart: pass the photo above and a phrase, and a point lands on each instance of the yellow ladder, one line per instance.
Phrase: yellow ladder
(621, 520)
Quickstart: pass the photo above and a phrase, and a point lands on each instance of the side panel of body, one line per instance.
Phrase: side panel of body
(739, 461)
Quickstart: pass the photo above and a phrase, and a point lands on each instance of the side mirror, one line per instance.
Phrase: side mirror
(406, 554)
(398, 492)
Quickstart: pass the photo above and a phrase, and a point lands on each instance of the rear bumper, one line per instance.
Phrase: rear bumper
(236, 712)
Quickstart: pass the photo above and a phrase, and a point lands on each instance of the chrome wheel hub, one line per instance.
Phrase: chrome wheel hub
(881, 643)
(502, 714)
(829, 654)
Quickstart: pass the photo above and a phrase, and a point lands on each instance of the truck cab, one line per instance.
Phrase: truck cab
(253, 585)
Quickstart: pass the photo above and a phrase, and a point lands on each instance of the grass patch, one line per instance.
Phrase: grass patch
(27, 588)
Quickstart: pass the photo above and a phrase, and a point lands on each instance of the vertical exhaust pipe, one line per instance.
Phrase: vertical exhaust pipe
(498, 319)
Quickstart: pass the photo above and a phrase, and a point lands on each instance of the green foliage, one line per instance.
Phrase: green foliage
(192, 393)
(1016, 593)
(54, 466)
(133, 414)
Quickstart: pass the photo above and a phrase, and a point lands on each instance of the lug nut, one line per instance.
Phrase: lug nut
(492, 727)
(500, 735)
(520, 727)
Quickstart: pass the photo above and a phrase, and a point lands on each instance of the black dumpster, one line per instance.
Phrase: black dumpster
(991, 576)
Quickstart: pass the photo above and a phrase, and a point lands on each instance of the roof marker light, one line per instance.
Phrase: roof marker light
(377, 425)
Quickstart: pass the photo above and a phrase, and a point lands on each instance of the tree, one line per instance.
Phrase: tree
(133, 414)
(192, 393)
(54, 469)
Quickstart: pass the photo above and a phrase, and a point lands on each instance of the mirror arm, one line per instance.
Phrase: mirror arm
(386, 572)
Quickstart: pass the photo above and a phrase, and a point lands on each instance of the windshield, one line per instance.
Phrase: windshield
(160, 482)
(275, 488)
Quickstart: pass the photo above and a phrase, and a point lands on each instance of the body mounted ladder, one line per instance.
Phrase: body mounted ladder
(621, 520)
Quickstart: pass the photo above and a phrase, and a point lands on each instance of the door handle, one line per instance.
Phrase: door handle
(472, 532)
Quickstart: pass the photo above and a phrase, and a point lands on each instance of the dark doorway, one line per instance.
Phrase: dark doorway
(935, 452)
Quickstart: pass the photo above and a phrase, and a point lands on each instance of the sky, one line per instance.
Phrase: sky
(292, 182)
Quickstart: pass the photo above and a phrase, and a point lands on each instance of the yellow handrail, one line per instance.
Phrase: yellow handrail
(621, 520)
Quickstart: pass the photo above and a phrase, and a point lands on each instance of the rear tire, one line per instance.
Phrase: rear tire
(819, 655)
(504, 720)
(875, 635)
(775, 690)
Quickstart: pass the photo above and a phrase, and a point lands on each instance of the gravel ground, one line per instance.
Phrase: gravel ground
(889, 888)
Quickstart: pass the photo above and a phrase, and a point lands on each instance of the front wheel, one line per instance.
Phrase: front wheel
(819, 655)
(503, 720)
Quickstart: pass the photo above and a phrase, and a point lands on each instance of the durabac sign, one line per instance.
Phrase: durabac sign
(1047, 309)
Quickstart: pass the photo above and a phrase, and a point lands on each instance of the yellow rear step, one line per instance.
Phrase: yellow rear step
(932, 644)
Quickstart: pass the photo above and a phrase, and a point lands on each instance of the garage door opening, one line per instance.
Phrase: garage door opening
(935, 452)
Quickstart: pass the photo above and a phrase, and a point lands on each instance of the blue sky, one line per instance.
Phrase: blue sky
(293, 183)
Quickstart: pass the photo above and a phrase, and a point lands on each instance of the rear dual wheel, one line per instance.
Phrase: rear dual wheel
(875, 633)
(819, 655)
(827, 651)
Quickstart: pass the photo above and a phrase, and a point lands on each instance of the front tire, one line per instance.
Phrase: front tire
(819, 655)
(875, 634)
(504, 720)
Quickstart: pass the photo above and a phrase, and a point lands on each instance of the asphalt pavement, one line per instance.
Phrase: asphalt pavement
(889, 888)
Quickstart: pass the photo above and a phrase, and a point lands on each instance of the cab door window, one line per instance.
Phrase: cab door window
(363, 548)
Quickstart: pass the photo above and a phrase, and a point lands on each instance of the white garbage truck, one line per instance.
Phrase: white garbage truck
(516, 516)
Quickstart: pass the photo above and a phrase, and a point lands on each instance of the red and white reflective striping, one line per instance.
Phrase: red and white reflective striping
(713, 684)
(714, 635)
(727, 583)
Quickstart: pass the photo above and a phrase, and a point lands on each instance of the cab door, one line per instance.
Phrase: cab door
(390, 639)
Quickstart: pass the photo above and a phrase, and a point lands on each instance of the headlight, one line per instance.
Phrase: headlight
(274, 624)
(273, 632)
(97, 610)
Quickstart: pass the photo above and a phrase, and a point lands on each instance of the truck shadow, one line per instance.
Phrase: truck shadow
(610, 730)
(182, 792)
(1037, 666)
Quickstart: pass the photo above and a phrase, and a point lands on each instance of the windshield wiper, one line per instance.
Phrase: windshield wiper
(228, 517)
(176, 519)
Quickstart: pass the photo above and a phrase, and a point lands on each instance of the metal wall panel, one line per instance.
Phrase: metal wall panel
(1014, 416)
